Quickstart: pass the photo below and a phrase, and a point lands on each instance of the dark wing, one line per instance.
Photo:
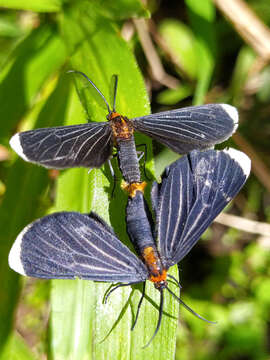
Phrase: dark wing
(68, 245)
(155, 190)
(186, 129)
(154, 197)
(194, 191)
(62, 147)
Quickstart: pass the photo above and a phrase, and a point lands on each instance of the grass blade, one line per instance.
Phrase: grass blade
(88, 322)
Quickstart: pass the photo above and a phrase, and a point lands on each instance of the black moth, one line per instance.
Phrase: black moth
(69, 245)
(90, 145)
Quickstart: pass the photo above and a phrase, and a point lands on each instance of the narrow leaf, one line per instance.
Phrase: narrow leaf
(180, 39)
(202, 16)
(33, 5)
(22, 77)
(24, 201)
(92, 330)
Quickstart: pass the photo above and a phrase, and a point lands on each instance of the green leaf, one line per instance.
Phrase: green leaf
(202, 16)
(245, 60)
(26, 199)
(263, 293)
(181, 41)
(16, 349)
(82, 327)
(121, 9)
(25, 186)
(163, 159)
(22, 77)
(9, 29)
(33, 5)
(173, 96)
(264, 90)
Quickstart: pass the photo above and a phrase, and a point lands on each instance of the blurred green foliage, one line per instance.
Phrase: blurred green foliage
(226, 276)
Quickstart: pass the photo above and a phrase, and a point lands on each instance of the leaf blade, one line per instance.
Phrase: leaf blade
(37, 5)
(91, 57)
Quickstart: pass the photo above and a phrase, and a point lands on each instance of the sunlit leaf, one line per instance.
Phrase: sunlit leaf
(33, 5)
(172, 96)
(121, 9)
(92, 330)
(17, 349)
(181, 41)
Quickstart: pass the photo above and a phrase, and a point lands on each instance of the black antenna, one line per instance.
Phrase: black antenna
(189, 309)
(113, 289)
(160, 312)
(177, 282)
(115, 90)
(138, 308)
(91, 82)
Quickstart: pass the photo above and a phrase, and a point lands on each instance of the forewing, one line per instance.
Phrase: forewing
(195, 190)
(70, 245)
(186, 129)
(86, 145)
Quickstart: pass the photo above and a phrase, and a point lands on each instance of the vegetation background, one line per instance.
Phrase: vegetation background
(189, 52)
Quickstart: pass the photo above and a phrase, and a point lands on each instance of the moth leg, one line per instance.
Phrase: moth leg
(114, 177)
(143, 154)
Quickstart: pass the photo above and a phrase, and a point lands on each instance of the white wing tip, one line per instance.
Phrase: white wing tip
(14, 257)
(15, 143)
(233, 114)
(242, 159)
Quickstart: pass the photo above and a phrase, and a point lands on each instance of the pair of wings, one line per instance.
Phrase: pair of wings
(90, 145)
(193, 191)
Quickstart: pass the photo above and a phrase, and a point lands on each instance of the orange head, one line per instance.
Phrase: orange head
(122, 128)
